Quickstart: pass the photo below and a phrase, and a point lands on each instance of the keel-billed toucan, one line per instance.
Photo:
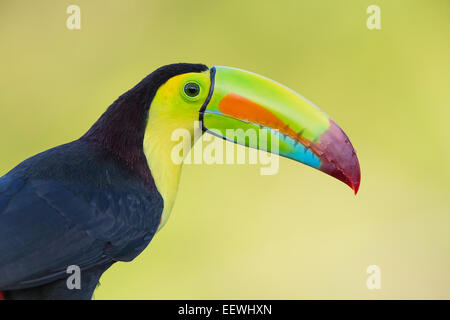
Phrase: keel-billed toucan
(101, 198)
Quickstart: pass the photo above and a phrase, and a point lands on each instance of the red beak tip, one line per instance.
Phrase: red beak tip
(356, 188)
(354, 183)
(339, 157)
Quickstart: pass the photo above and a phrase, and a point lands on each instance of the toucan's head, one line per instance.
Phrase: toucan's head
(224, 98)
(137, 128)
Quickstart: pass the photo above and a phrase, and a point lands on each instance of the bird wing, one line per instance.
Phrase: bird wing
(47, 225)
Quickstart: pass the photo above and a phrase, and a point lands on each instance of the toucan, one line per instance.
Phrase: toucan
(100, 199)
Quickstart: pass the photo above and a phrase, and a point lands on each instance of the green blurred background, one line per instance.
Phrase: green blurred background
(234, 233)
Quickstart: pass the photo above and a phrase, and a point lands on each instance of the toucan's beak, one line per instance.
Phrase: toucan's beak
(243, 100)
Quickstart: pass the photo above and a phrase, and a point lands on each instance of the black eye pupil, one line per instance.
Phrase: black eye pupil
(191, 89)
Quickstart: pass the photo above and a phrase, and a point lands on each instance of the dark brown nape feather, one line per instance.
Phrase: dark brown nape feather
(120, 130)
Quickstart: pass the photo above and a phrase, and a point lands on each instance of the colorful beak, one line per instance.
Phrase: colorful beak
(240, 100)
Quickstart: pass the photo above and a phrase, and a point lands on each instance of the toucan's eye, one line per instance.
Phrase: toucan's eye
(192, 89)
